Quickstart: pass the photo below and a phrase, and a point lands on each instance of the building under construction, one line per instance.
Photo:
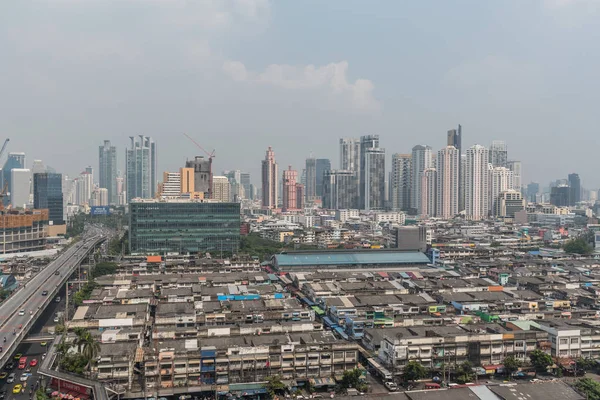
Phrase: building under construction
(23, 231)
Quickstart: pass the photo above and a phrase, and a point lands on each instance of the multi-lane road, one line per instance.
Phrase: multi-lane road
(18, 312)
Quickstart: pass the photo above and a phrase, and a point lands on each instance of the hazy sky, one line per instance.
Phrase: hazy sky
(240, 75)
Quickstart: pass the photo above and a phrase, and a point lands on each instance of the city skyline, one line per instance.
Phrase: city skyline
(234, 60)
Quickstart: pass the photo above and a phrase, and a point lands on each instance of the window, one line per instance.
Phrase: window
(564, 341)
(574, 340)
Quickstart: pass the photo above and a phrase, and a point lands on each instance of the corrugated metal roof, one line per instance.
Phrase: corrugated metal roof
(351, 258)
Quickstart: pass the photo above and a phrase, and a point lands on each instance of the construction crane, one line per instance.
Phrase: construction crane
(2, 195)
(5, 188)
(210, 158)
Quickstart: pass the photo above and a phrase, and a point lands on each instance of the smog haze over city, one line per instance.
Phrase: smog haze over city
(239, 76)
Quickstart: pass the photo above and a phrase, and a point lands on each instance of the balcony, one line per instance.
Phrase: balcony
(166, 372)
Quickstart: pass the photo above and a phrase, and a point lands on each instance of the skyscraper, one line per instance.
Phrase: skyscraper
(245, 182)
(85, 187)
(516, 168)
(38, 167)
(299, 196)
(311, 179)
(560, 195)
(454, 138)
(575, 185)
(428, 193)
(170, 187)
(269, 180)
(340, 190)
(366, 142)
(20, 181)
(421, 160)
(400, 182)
(498, 154)
(323, 164)
(532, 190)
(221, 189)
(448, 182)
(374, 174)
(14, 160)
(140, 167)
(289, 189)
(350, 154)
(476, 182)
(203, 175)
(107, 170)
(47, 193)
(501, 180)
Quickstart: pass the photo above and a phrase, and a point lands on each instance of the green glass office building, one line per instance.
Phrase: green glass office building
(160, 227)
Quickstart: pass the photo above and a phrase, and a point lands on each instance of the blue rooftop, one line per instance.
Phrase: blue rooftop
(350, 258)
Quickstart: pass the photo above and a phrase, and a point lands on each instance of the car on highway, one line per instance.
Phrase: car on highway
(17, 389)
(45, 293)
(18, 356)
(57, 273)
(57, 299)
(3, 375)
(22, 312)
(9, 366)
(24, 377)
(11, 378)
(33, 362)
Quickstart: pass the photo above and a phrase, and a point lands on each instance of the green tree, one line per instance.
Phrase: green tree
(275, 386)
(511, 365)
(352, 379)
(40, 394)
(90, 348)
(589, 387)
(414, 371)
(540, 360)
(465, 373)
(104, 268)
(586, 363)
(577, 246)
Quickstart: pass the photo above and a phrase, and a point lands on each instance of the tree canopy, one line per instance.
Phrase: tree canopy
(540, 360)
(414, 371)
(589, 387)
(465, 373)
(275, 386)
(352, 379)
(577, 246)
(511, 365)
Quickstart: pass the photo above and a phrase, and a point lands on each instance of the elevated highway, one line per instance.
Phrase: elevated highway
(20, 311)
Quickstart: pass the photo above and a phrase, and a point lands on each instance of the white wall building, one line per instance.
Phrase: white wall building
(501, 180)
(476, 182)
(448, 183)
(428, 192)
(221, 191)
(20, 187)
(421, 160)
(345, 215)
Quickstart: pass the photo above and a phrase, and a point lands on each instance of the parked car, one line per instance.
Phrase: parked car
(391, 386)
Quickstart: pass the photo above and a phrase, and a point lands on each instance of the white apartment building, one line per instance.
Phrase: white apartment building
(345, 215)
(501, 180)
(221, 190)
(428, 193)
(476, 183)
(448, 182)
(393, 217)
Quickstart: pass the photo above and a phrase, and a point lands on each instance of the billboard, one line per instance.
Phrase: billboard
(100, 210)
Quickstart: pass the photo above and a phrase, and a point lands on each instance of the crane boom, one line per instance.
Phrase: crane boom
(4, 147)
(210, 155)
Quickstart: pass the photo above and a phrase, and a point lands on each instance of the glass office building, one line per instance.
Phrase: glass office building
(183, 226)
(47, 193)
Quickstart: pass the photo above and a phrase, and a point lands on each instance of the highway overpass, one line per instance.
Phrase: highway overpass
(20, 311)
